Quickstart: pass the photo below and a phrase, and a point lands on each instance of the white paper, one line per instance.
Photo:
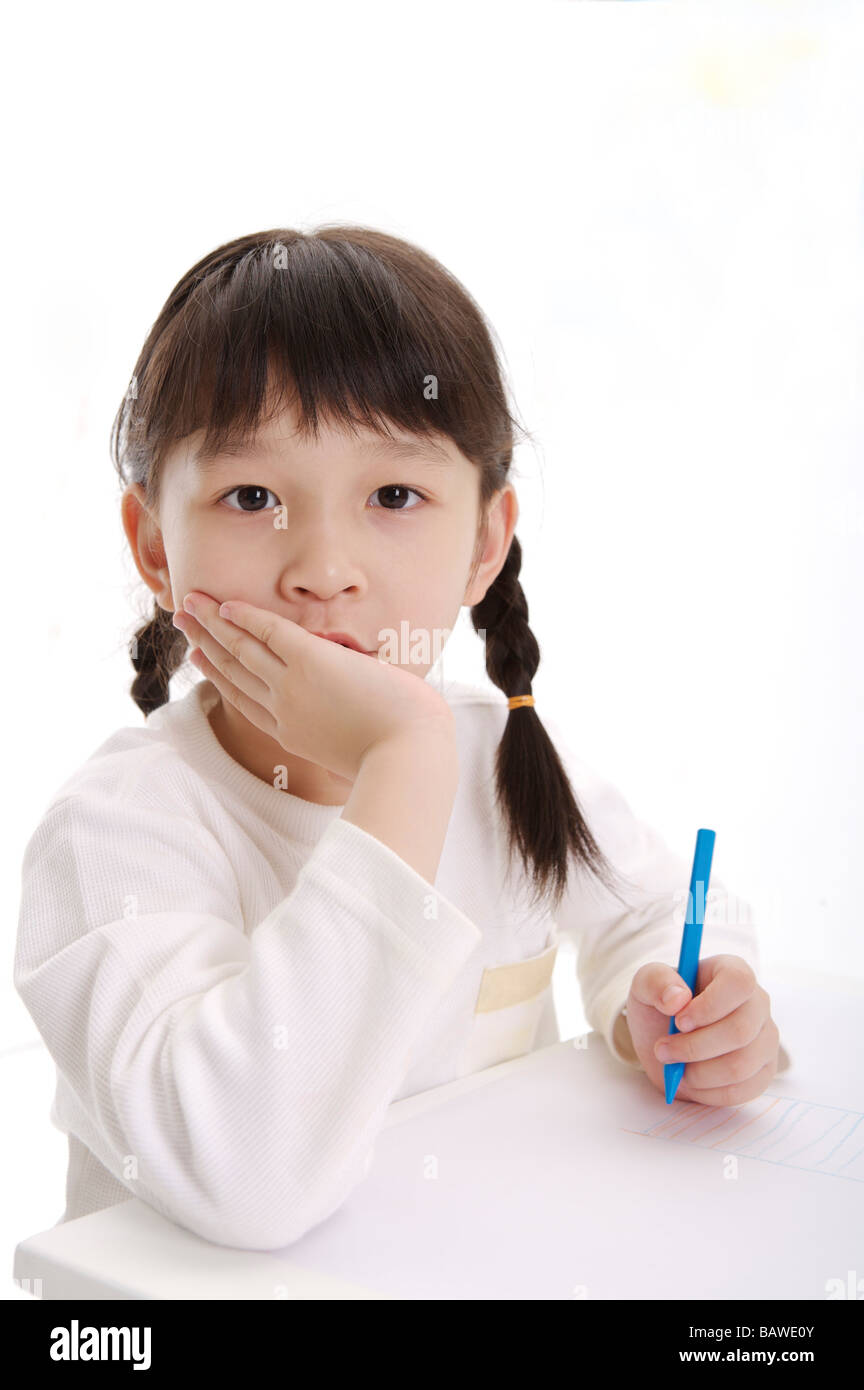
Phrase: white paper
(570, 1177)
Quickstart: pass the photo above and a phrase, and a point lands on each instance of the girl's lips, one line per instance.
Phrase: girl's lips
(344, 640)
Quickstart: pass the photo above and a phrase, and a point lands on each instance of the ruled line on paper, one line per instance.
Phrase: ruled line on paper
(775, 1129)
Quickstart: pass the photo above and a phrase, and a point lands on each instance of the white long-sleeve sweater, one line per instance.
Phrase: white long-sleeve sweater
(235, 983)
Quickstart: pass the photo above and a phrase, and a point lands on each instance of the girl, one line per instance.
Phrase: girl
(290, 897)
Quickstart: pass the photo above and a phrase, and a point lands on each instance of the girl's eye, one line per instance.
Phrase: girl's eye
(399, 488)
(247, 488)
(391, 488)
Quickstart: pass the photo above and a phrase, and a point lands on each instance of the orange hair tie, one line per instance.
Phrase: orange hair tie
(516, 701)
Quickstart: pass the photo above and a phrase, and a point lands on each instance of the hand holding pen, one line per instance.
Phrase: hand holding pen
(714, 1020)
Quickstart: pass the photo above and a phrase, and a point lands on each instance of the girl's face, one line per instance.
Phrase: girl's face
(351, 533)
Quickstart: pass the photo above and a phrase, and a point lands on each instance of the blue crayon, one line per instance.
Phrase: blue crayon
(688, 960)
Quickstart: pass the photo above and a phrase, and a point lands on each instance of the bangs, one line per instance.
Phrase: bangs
(352, 333)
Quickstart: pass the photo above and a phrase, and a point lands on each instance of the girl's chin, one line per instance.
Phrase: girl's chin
(338, 781)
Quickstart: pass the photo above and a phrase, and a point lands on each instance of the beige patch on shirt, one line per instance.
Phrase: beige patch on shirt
(503, 985)
(510, 1004)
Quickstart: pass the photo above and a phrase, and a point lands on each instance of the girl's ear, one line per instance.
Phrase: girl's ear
(502, 516)
(145, 543)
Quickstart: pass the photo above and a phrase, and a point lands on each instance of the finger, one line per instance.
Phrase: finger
(277, 637)
(712, 1068)
(244, 646)
(659, 986)
(729, 1034)
(723, 984)
(249, 708)
(738, 1093)
(233, 669)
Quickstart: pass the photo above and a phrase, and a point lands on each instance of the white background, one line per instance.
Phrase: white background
(659, 208)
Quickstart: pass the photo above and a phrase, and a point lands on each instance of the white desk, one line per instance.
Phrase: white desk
(557, 1175)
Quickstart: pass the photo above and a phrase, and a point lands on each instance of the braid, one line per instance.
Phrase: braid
(543, 818)
(156, 650)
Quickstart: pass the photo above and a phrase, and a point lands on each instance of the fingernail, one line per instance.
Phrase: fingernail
(684, 1024)
(671, 994)
(179, 620)
(189, 604)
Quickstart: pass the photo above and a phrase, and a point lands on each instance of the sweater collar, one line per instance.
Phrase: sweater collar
(186, 726)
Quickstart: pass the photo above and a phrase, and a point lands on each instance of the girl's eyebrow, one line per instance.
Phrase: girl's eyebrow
(429, 452)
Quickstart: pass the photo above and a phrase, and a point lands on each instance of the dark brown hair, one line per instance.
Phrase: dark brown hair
(350, 323)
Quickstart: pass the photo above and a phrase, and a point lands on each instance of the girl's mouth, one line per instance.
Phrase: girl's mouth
(342, 639)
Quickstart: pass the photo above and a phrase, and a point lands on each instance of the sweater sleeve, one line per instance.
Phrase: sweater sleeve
(236, 1082)
(614, 939)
